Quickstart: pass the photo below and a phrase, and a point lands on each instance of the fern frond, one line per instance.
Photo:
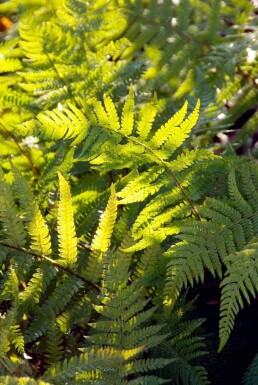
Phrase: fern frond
(170, 129)
(141, 186)
(251, 374)
(147, 116)
(9, 215)
(111, 113)
(53, 306)
(65, 123)
(123, 327)
(54, 350)
(78, 313)
(177, 137)
(66, 228)
(229, 229)
(90, 361)
(6, 322)
(25, 195)
(238, 287)
(10, 380)
(127, 121)
(17, 339)
(102, 238)
(38, 230)
(36, 286)
(9, 65)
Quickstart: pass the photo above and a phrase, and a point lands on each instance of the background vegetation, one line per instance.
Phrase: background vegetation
(128, 218)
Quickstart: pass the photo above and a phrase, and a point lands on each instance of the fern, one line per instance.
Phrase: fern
(229, 234)
(251, 374)
(8, 380)
(102, 239)
(120, 327)
(239, 286)
(9, 215)
(66, 230)
(151, 208)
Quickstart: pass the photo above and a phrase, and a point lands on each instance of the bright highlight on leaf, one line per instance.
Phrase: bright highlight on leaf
(127, 121)
(38, 230)
(67, 240)
(102, 238)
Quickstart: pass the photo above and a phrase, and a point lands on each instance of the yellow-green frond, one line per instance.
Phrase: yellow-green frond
(147, 116)
(127, 121)
(169, 129)
(67, 240)
(10, 380)
(177, 135)
(112, 113)
(38, 230)
(102, 239)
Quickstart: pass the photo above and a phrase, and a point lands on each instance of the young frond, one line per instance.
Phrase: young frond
(147, 116)
(127, 123)
(102, 238)
(67, 240)
(40, 237)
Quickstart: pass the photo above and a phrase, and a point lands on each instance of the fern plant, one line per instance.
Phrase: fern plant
(53, 298)
(112, 203)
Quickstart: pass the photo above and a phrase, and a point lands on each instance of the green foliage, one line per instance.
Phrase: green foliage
(112, 201)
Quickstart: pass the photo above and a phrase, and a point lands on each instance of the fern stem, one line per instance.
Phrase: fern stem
(54, 263)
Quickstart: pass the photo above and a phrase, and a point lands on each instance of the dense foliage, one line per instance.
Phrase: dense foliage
(121, 191)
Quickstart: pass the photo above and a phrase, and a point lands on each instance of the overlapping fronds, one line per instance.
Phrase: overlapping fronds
(187, 347)
(119, 338)
(148, 212)
(224, 236)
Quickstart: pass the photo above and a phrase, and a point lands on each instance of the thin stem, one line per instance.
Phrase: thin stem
(54, 263)
(171, 172)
